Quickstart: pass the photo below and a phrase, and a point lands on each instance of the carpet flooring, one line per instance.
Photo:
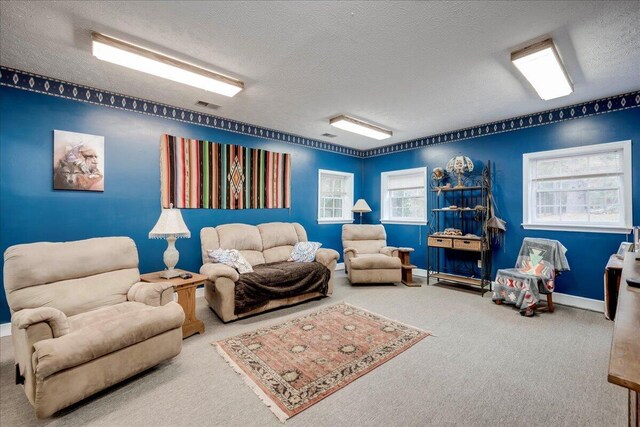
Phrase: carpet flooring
(485, 366)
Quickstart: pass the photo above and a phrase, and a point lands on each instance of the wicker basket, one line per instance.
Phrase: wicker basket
(467, 245)
(440, 242)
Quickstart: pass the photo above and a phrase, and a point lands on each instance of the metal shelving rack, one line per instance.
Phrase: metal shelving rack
(461, 259)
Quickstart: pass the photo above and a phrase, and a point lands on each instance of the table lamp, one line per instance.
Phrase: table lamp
(361, 206)
(170, 226)
(459, 165)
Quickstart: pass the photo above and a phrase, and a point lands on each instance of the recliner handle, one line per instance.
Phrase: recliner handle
(19, 377)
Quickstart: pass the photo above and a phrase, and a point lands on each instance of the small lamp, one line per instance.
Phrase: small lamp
(459, 165)
(170, 226)
(361, 206)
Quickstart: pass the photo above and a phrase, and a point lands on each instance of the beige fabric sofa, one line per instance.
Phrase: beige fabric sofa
(367, 258)
(264, 243)
(81, 321)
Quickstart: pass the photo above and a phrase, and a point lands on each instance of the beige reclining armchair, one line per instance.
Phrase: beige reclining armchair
(81, 320)
(367, 258)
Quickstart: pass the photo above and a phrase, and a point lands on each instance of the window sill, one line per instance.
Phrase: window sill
(403, 222)
(335, 221)
(580, 228)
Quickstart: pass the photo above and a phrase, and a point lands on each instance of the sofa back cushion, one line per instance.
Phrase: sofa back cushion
(366, 239)
(243, 237)
(269, 242)
(73, 277)
(279, 238)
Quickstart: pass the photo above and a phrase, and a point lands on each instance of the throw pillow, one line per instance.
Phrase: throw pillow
(232, 258)
(304, 252)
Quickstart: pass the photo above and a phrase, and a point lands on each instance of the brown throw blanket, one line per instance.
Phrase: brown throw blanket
(278, 280)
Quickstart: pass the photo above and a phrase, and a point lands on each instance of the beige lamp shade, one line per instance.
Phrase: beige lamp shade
(170, 224)
(361, 206)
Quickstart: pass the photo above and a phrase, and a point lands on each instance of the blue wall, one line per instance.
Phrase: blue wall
(31, 211)
(130, 205)
(587, 252)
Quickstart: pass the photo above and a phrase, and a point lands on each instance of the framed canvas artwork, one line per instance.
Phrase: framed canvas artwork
(78, 161)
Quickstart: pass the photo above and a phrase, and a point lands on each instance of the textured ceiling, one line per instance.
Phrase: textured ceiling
(416, 68)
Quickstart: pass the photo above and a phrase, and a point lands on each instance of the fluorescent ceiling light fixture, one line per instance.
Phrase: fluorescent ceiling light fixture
(358, 126)
(542, 66)
(140, 59)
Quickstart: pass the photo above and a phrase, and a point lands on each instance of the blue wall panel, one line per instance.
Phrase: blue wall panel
(587, 252)
(32, 211)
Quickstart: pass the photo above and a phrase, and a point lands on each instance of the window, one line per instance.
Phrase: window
(404, 196)
(579, 189)
(335, 196)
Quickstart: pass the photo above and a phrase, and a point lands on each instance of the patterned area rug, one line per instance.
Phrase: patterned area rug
(295, 364)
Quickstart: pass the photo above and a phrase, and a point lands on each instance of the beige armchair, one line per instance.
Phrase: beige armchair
(81, 321)
(367, 258)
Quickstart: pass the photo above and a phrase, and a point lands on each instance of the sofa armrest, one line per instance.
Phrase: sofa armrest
(327, 256)
(350, 252)
(389, 251)
(53, 317)
(153, 294)
(214, 270)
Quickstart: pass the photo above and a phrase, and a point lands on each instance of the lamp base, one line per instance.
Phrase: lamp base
(170, 274)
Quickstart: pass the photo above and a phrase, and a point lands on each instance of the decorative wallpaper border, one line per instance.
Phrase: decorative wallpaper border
(48, 86)
(586, 109)
(63, 89)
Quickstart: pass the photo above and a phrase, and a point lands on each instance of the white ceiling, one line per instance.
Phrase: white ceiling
(416, 68)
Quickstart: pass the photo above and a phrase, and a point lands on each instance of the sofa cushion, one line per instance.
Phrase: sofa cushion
(103, 331)
(77, 295)
(277, 254)
(366, 239)
(103, 314)
(231, 257)
(365, 246)
(363, 232)
(374, 261)
(239, 236)
(35, 264)
(304, 252)
(243, 237)
(71, 276)
(278, 234)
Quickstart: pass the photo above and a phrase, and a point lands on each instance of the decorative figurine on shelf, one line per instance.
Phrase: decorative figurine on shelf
(459, 165)
(438, 174)
(452, 232)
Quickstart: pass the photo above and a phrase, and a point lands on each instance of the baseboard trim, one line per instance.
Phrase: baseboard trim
(340, 266)
(558, 298)
(5, 330)
(420, 272)
(578, 302)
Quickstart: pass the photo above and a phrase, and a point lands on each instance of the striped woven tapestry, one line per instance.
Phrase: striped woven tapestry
(202, 174)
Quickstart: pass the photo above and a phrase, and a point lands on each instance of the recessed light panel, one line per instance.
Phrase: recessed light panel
(358, 126)
(140, 59)
(540, 64)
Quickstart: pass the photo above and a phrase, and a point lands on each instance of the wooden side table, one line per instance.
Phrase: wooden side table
(186, 290)
(407, 268)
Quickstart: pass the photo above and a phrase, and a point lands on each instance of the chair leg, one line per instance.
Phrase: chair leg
(550, 303)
